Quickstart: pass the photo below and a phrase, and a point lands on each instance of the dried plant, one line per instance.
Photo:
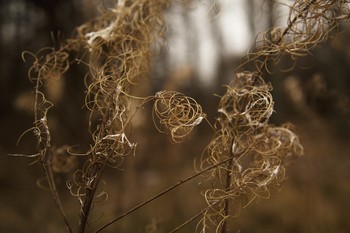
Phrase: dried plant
(258, 151)
(247, 156)
(177, 114)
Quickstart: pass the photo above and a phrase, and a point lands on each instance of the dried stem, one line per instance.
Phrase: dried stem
(44, 153)
(90, 194)
(227, 201)
(189, 220)
(56, 197)
(168, 190)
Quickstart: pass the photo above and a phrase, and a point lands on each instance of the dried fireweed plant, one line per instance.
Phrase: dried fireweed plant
(246, 157)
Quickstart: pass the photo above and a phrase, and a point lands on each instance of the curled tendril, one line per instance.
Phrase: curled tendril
(281, 142)
(309, 24)
(248, 176)
(127, 31)
(225, 144)
(248, 103)
(112, 148)
(48, 64)
(243, 127)
(119, 44)
(176, 114)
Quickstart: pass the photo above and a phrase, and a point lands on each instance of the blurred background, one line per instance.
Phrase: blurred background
(204, 45)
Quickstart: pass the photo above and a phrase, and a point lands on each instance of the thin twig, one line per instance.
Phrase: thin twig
(46, 163)
(90, 194)
(167, 190)
(53, 189)
(189, 220)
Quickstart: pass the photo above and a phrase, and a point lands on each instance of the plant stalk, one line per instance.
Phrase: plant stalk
(168, 190)
(227, 201)
(90, 194)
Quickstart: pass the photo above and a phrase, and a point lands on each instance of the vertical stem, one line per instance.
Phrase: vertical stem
(53, 189)
(45, 157)
(227, 201)
(89, 197)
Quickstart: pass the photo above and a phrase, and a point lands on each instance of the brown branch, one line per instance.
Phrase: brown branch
(189, 220)
(226, 203)
(89, 197)
(167, 190)
(53, 189)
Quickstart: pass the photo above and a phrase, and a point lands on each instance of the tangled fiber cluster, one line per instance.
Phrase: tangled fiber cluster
(310, 23)
(117, 48)
(248, 103)
(258, 151)
(247, 155)
(176, 114)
